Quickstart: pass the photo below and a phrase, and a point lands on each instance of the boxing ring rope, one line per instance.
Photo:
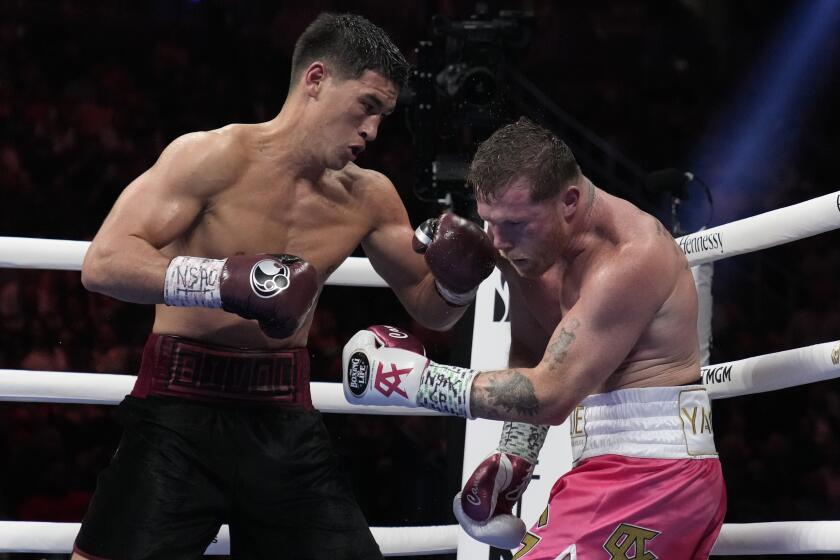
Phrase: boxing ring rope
(751, 375)
(61, 254)
(109, 388)
(786, 537)
(761, 231)
(758, 374)
(57, 538)
(769, 229)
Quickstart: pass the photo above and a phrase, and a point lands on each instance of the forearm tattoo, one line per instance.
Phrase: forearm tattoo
(509, 394)
(503, 392)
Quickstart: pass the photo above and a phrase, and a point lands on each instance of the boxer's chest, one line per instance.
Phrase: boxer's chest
(546, 298)
(321, 223)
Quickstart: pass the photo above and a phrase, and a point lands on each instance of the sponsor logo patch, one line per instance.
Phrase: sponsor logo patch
(269, 278)
(358, 374)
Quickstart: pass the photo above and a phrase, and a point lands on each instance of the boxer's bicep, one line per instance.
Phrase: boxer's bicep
(388, 245)
(593, 340)
(163, 202)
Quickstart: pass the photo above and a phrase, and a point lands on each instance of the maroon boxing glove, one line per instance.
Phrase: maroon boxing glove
(484, 507)
(276, 290)
(496, 485)
(392, 337)
(459, 255)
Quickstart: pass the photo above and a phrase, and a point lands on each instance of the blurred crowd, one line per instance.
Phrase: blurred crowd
(90, 93)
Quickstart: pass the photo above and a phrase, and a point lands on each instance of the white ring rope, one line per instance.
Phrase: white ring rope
(735, 539)
(743, 377)
(58, 538)
(61, 254)
(776, 227)
(21, 385)
(770, 372)
(783, 537)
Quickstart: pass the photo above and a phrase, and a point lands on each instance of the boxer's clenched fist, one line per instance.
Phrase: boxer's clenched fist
(484, 507)
(276, 290)
(385, 366)
(459, 255)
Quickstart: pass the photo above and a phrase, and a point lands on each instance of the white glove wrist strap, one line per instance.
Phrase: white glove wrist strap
(446, 389)
(523, 440)
(193, 282)
(455, 298)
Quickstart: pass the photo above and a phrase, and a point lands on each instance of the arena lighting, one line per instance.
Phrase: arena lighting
(755, 136)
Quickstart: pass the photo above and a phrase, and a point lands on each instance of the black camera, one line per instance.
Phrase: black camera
(456, 95)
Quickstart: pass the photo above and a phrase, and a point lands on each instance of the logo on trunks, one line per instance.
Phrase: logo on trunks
(716, 374)
(835, 355)
(701, 424)
(358, 374)
(269, 278)
(627, 539)
(388, 382)
(703, 242)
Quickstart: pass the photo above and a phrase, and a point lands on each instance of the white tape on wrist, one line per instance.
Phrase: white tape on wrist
(523, 440)
(455, 298)
(446, 389)
(193, 282)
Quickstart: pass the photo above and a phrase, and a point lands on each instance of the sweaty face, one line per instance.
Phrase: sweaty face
(526, 233)
(351, 112)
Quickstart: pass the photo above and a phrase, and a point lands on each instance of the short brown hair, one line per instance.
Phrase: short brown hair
(522, 149)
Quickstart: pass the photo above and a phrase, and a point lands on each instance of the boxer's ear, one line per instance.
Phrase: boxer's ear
(569, 199)
(314, 77)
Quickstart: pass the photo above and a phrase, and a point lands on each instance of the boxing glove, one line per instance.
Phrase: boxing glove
(484, 508)
(276, 290)
(459, 255)
(393, 370)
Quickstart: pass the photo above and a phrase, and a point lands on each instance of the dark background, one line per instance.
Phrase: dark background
(91, 92)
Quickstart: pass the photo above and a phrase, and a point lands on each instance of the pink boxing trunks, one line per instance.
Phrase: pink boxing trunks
(646, 482)
(191, 370)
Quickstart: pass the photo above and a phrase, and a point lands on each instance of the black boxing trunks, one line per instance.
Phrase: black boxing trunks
(185, 466)
(187, 369)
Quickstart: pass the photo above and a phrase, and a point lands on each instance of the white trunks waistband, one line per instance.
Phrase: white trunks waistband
(650, 422)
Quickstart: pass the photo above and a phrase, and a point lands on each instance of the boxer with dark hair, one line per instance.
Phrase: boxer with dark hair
(603, 313)
(231, 234)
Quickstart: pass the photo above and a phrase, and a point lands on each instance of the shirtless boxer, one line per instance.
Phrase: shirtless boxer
(232, 234)
(603, 328)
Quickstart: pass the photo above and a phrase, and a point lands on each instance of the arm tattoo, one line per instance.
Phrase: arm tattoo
(557, 348)
(503, 392)
(500, 393)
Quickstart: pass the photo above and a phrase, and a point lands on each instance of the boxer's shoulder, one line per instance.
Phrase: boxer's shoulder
(374, 192)
(366, 182)
(204, 162)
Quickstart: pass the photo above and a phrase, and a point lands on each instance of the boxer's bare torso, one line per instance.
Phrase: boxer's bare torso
(605, 302)
(666, 352)
(232, 192)
(263, 210)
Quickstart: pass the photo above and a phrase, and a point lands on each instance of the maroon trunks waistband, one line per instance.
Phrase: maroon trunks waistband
(188, 369)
